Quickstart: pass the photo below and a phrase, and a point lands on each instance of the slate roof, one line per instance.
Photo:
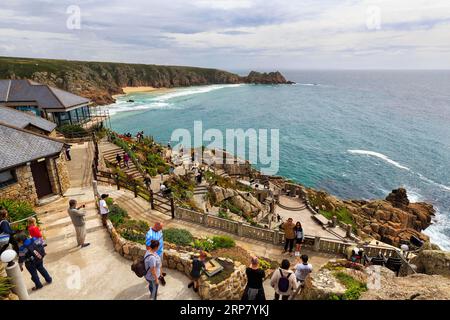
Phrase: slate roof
(18, 146)
(22, 119)
(46, 97)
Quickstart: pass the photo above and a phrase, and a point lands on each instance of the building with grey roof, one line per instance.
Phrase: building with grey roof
(54, 104)
(32, 165)
(26, 120)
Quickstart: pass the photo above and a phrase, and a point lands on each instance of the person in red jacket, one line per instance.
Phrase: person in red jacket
(33, 229)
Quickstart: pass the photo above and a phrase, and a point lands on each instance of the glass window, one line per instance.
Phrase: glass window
(7, 177)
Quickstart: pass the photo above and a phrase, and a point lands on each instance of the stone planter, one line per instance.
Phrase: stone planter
(181, 259)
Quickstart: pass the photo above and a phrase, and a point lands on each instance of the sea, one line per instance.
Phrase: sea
(356, 134)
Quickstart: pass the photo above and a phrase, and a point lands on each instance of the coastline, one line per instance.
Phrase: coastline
(128, 90)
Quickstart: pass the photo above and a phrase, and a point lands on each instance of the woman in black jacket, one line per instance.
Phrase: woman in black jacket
(5, 228)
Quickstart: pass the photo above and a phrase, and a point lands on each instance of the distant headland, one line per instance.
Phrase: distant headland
(100, 81)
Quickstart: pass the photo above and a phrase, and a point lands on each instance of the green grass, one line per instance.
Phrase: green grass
(342, 215)
(180, 237)
(354, 287)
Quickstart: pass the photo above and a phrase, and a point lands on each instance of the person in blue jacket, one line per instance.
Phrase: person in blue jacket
(32, 252)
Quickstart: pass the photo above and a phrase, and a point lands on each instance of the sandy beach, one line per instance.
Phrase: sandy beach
(128, 90)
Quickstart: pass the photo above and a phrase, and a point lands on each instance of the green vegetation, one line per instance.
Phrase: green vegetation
(73, 130)
(17, 210)
(216, 242)
(342, 215)
(180, 237)
(226, 204)
(354, 287)
(117, 215)
(5, 284)
(134, 230)
(223, 242)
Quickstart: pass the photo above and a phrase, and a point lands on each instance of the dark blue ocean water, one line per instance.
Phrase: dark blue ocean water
(356, 134)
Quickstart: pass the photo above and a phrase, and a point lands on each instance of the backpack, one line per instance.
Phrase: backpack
(4, 237)
(36, 251)
(138, 266)
(283, 282)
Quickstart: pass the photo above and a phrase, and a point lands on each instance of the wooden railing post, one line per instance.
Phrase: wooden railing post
(317, 244)
(172, 208)
(152, 203)
(135, 189)
(94, 171)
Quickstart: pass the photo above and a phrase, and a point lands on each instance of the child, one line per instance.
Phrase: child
(198, 264)
(33, 229)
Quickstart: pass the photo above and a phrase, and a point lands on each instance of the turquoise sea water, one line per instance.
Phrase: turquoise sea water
(356, 134)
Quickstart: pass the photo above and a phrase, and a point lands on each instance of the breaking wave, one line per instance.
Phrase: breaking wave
(380, 156)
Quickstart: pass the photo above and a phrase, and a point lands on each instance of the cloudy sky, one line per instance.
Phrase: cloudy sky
(233, 34)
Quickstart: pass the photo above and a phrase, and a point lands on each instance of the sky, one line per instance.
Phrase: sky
(233, 34)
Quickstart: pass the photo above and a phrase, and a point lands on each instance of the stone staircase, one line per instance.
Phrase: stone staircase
(109, 154)
(201, 190)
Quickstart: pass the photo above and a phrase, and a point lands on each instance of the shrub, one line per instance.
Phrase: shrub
(5, 285)
(117, 215)
(264, 264)
(180, 237)
(134, 230)
(204, 244)
(223, 242)
(109, 201)
(73, 129)
(354, 287)
(17, 210)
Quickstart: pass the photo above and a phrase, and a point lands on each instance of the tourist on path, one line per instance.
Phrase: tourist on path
(104, 210)
(299, 235)
(148, 181)
(156, 233)
(69, 158)
(6, 233)
(153, 264)
(283, 281)
(289, 235)
(32, 252)
(126, 159)
(118, 159)
(198, 264)
(302, 269)
(33, 229)
(255, 278)
(78, 219)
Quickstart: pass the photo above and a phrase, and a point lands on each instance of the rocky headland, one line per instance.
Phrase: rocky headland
(392, 220)
(99, 81)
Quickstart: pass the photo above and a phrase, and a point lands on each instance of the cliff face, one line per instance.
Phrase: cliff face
(99, 81)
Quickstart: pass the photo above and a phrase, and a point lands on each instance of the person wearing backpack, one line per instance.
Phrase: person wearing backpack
(152, 263)
(32, 253)
(6, 233)
(284, 281)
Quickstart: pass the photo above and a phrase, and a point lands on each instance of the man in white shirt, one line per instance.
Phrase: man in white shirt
(302, 269)
(104, 210)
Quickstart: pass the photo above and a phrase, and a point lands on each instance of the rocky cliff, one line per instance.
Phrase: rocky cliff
(99, 81)
(392, 220)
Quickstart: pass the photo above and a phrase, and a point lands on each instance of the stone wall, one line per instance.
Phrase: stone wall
(58, 175)
(231, 288)
(23, 189)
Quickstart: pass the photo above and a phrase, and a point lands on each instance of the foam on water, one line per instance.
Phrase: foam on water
(380, 156)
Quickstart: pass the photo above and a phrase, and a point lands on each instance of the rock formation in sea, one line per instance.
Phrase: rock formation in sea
(392, 220)
(99, 81)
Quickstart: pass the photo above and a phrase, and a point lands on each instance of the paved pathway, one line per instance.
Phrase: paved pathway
(97, 271)
(310, 226)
